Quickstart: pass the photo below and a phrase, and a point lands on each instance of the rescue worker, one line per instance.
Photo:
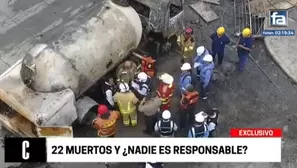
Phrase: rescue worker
(185, 77)
(165, 90)
(166, 127)
(150, 108)
(219, 40)
(126, 101)
(142, 85)
(200, 128)
(126, 72)
(148, 65)
(186, 44)
(198, 60)
(187, 104)
(212, 120)
(206, 75)
(244, 47)
(105, 122)
(108, 91)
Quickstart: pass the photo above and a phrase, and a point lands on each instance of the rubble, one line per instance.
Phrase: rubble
(204, 11)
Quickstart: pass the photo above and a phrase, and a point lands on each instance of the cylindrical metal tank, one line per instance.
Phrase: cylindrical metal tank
(89, 47)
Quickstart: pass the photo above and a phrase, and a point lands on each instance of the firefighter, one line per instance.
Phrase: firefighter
(148, 65)
(165, 90)
(244, 47)
(105, 121)
(142, 85)
(108, 91)
(187, 104)
(200, 128)
(206, 75)
(166, 127)
(219, 40)
(185, 77)
(126, 101)
(198, 60)
(186, 44)
(212, 120)
(126, 72)
(150, 108)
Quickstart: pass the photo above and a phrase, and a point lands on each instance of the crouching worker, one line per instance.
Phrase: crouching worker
(166, 127)
(105, 122)
(126, 101)
(212, 120)
(150, 108)
(200, 128)
(187, 104)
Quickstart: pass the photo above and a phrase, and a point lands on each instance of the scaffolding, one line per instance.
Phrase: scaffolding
(252, 13)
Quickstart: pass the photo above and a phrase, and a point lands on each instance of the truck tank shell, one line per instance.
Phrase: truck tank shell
(85, 52)
(57, 73)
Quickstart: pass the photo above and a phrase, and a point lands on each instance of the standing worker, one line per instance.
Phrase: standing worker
(187, 105)
(198, 60)
(126, 72)
(166, 127)
(105, 121)
(185, 77)
(212, 120)
(199, 129)
(126, 101)
(150, 108)
(219, 40)
(165, 90)
(142, 85)
(108, 91)
(205, 75)
(186, 44)
(244, 47)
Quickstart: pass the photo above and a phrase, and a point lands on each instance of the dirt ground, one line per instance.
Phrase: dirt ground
(247, 99)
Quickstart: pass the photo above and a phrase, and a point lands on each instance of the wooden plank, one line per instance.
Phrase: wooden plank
(217, 2)
(204, 11)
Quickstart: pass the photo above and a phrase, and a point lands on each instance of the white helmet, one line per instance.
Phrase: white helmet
(203, 114)
(166, 114)
(124, 87)
(199, 118)
(186, 66)
(142, 76)
(200, 50)
(208, 58)
(166, 78)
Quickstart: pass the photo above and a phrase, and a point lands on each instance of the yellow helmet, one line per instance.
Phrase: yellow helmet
(246, 32)
(221, 31)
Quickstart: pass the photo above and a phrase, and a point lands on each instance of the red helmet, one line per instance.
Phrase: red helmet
(102, 109)
(189, 30)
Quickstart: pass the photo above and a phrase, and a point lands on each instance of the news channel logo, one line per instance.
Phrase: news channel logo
(278, 18)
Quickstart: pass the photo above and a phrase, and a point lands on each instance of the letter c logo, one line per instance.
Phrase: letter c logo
(25, 146)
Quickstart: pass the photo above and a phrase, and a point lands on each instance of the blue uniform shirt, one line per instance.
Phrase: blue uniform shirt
(199, 59)
(218, 43)
(191, 133)
(246, 42)
(206, 73)
(185, 80)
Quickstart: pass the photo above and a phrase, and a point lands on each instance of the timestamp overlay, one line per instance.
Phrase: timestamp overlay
(278, 33)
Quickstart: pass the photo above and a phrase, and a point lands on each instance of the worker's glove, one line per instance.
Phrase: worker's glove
(197, 65)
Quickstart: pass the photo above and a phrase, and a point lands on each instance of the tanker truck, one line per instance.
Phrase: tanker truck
(42, 94)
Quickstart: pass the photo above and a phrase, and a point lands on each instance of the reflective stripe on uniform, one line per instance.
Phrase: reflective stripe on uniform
(126, 111)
